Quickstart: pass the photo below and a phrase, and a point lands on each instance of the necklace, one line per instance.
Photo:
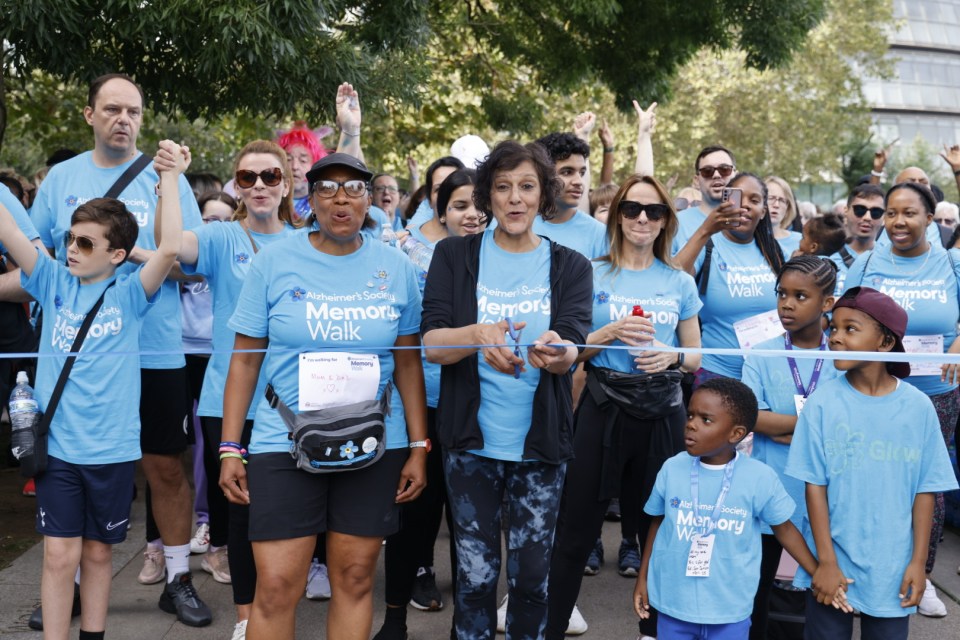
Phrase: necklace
(893, 259)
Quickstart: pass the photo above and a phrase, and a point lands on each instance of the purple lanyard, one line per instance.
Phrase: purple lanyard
(796, 371)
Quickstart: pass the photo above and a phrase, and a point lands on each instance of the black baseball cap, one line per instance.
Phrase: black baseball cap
(337, 160)
(884, 310)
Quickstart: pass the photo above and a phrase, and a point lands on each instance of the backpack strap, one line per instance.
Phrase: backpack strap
(703, 276)
(127, 176)
(848, 257)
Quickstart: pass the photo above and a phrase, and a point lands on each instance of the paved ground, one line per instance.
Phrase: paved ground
(605, 600)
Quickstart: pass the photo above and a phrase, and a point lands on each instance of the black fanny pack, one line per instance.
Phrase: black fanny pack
(344, 438)
(646, 396)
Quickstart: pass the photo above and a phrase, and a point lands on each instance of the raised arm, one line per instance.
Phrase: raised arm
(166, 160)
(646, 122)
(609, 148)
(348, 120)
(582, 128)
(17, 244)
(952, 156)
(155, 270)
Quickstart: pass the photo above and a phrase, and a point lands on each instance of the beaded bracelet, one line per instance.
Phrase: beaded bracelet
(229, 454)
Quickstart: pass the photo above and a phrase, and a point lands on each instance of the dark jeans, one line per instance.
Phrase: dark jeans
(477, 488)
(824, 621)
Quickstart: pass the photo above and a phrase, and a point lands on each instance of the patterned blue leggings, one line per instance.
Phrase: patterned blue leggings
(478, 487)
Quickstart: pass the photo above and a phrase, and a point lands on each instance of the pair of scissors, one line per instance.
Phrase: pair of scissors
(515, 336)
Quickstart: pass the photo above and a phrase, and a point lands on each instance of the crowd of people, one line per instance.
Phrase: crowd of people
(512, 346)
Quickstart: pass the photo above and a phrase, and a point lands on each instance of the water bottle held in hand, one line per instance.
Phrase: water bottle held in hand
(24, 414)
(638, 312)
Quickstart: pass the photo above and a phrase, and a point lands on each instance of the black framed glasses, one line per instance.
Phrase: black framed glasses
(329, 188)
(706, 172)
(246, 179)
(860, 210)
(655, 211)
(515, 336)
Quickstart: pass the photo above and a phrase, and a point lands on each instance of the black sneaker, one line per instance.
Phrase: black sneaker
(180, 597)
(425, 595)
(392, 630)
(594, 560)
(36, 618)
(613, 511)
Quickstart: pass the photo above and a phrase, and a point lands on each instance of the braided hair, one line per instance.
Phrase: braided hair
(763, 233)
(822, 270)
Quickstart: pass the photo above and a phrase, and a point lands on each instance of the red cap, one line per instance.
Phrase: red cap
(884, 310)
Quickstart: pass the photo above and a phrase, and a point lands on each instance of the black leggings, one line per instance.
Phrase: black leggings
(412, 546)
(581, 510)
(769, 562)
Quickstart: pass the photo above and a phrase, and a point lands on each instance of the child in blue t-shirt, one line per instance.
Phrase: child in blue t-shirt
(869, 449)
(83, 497)
(701, 561)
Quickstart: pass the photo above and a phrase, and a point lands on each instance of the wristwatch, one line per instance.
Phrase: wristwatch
(422, 444)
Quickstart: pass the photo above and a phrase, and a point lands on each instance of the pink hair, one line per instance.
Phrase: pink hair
(301, 135)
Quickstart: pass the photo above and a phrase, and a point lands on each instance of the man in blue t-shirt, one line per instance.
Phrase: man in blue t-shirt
(114, 111)
(863, 219)
(714, 167)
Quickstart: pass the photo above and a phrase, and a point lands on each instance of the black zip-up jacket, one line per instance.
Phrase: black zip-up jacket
(450, 301)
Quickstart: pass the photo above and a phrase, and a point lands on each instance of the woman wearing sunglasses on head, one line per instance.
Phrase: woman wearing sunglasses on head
(639, 299)
(504, 417)
(783, 211)
(735, 259)
(317, 299)
(925, 280)
(223, 254)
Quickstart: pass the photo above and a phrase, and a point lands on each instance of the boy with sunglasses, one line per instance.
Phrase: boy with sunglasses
(863, 219)
(83, 497)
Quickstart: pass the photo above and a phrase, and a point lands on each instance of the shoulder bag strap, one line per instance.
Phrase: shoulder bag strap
(68, 365)
(127, 177)
(847, 256)
(250, 235)
(703, 276)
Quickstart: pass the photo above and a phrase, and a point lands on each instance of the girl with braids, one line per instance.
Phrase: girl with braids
(923, 279)
(735, 276)
(804, 294)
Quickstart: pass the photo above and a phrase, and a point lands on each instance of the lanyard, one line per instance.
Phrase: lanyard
(818, 365)
(709, 522)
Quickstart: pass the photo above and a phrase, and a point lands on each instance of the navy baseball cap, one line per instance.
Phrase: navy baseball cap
(337, 160)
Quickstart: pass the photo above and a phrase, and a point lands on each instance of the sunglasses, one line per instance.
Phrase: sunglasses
(860, 210)
(515, 336)
(329, 188)
(707, 172)
(631, 210)
(246, 179)
(84, 244)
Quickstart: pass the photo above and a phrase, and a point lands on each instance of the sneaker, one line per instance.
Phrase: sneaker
(594, 560)
(216, 564)
(502, 615)
(643, 637)
(239, 631)
(154, 566)
(200, 543)
(36, 618)
(180, 597)
(930, 605)
(30, 488)
(392, 630)
(629, 565)
(425, 595)
(577, 625)
(318, 582)
(613, 511)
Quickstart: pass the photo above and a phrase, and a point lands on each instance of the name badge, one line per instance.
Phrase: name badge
(799, 401)
(923, 344)
(333, 379)
(698, 562)
(759, 328)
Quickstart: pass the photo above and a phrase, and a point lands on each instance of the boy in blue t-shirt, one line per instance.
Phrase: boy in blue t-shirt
(701, 562)
(83, 497)
(871, 454)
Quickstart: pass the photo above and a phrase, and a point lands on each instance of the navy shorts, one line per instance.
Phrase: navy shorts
(165, 409)
(90, 501)
(287, 502)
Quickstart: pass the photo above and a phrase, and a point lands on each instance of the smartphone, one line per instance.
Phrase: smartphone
(736, 197)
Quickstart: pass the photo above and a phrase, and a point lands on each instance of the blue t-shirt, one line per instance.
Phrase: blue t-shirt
(926, 287)
(670, 294)
(842, 269)
(756, 497)
(688, 221)
(305, 300)
(431, 370)
(514, 285)
(582, 233)
(98, 418)
(78, 180)
(874, 455)
(790, 243)
(421, 216)
(224, 258)
(20, 216)
(771, 381)
(741, 285)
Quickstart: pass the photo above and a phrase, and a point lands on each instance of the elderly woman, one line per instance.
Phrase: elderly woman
(505, 415)
(291, 302)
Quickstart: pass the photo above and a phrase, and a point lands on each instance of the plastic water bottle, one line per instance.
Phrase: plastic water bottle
(419, 253)
(388, 236)
(24, 413)
(638, 312)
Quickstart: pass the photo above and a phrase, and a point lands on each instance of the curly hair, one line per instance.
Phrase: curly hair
(737, 398)
(561, 146)
(828, 232)
(506, 156)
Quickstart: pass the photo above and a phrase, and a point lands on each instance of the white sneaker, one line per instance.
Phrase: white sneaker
(930, 605)
(239, 631)
(200, 542)
(577, 625)
(502, 616)
(154, 566)
(642, 637)
(318, 582)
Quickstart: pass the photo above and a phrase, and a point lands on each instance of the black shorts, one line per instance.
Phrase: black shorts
(286, 502)
(164, 411)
